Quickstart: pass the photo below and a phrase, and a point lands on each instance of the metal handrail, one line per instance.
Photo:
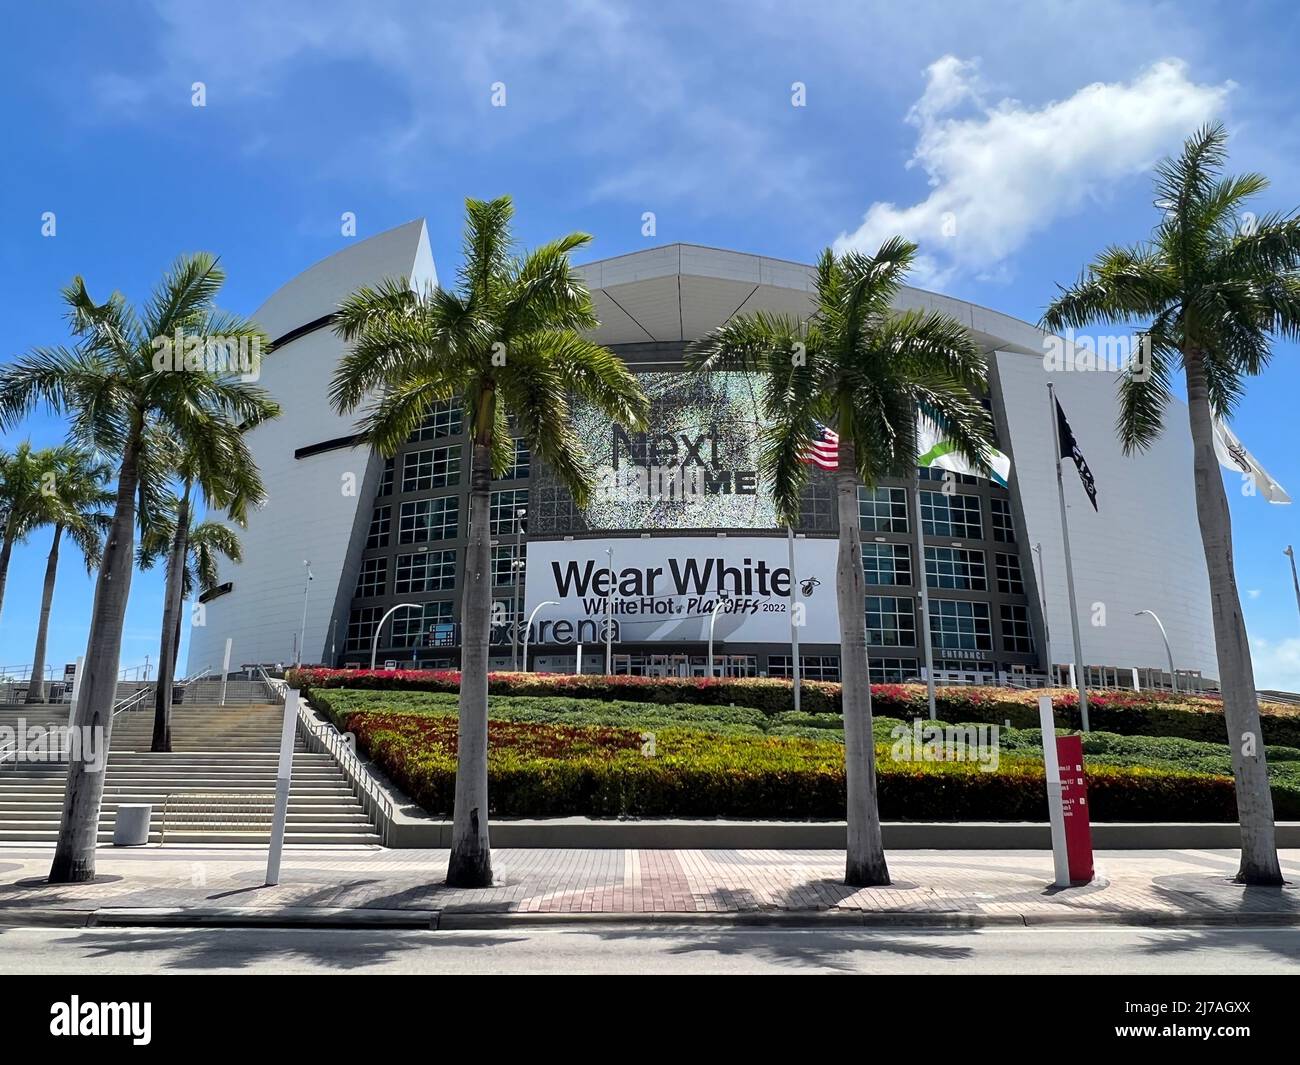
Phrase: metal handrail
(23, 672)
(368, 790)
(258, 799)
(130, 702)
(274, 685)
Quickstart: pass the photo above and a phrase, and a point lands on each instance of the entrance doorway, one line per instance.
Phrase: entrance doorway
(682, 665)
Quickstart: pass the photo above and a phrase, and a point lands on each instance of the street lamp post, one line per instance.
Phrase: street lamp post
(374, 644)
(1294, 579)
(517, 565)
(549, 602)
(713, 616)
(302, 632)
(1042, 593)
(609, 618)
(1173, 677)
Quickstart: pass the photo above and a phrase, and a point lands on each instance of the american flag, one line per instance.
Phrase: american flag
(824, 451)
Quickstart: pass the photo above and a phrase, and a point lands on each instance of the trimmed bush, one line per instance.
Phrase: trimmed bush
(544, 769)
(1125, 713)
(759, 693)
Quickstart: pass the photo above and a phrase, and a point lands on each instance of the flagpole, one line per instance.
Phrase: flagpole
(1042, 592)
(794, 627)
(1080, 678)
(925, 601)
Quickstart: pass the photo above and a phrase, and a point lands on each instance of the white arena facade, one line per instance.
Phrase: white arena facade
(382, 532)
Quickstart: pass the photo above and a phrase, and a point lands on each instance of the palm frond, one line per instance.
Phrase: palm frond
(487, 252)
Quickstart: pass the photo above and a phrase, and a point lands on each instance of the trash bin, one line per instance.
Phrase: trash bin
(131, 828)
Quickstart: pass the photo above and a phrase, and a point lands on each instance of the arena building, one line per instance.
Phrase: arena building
(347, 535)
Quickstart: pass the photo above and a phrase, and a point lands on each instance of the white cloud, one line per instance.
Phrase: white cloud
(1008, 171)
(1277, 664)
(1253, 593)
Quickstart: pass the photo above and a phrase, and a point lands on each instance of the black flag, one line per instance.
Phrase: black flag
(1070, 450)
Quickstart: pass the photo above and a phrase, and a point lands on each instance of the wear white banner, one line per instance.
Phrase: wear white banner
(665, 588)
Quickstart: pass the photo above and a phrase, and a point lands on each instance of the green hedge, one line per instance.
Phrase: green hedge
(1100, 748)
(1123, 713)
(548, 770)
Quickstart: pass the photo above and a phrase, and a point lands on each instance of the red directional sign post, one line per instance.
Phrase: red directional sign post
(1067, 801)
(1074, 803)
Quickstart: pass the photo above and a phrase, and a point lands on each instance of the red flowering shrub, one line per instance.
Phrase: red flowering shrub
(1127, 713)
(549, 770)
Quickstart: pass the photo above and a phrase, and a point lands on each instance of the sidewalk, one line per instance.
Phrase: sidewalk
(372, 887)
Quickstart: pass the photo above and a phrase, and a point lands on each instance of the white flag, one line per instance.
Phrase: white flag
(934, 450)
(1233, 455)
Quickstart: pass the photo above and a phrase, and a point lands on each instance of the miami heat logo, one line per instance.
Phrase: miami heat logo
(807, 585)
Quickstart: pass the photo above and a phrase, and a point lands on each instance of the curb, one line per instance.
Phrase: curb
(409, 831)
(261, 917)
(435, 920)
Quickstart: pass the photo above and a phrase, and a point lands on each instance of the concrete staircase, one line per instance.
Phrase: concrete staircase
(228, 755)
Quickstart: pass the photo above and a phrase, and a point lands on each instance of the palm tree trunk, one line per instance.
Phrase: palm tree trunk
(162, 703)
(1259, 863)
(470, 864)
(36, 686)
(6, 549)
(74, 855)
(865, 859)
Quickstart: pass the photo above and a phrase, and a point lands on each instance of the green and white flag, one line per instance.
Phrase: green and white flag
(935, 451)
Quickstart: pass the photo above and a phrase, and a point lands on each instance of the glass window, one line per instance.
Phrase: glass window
(1017, 635)
(955, 516)
(891, 622)
(380, 520)
(882, 509)
(443, 419)
(519, 466)
(887, 563)
(960, 626)
(428, 571)
(373, 577)
(386, 478)
(503, 563)
(1004, 530)
(811, 667)
(955, 567)
(891, 670)
(431, 626)
(436, 467)
(504, 505)
(961, 665)
(361, 627)
(503, 611)
(428, 519)
(933, 473)
(1010, 579)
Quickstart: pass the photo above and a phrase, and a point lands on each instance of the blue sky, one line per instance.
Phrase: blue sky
(1031, 125)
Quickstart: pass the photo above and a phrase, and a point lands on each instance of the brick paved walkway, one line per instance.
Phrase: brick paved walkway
(1188, 885)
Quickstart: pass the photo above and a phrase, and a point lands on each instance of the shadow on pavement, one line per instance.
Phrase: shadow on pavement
(244, 948)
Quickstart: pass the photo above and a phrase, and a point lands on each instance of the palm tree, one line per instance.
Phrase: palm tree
(125, 395)
(1210, 289)
(234, 485)
(75, 506)
(26, 477)
(10, 494)
(509, 342)
(869, 372)
(176, 535)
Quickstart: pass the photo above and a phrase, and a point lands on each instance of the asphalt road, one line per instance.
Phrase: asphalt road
(1223, 951)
